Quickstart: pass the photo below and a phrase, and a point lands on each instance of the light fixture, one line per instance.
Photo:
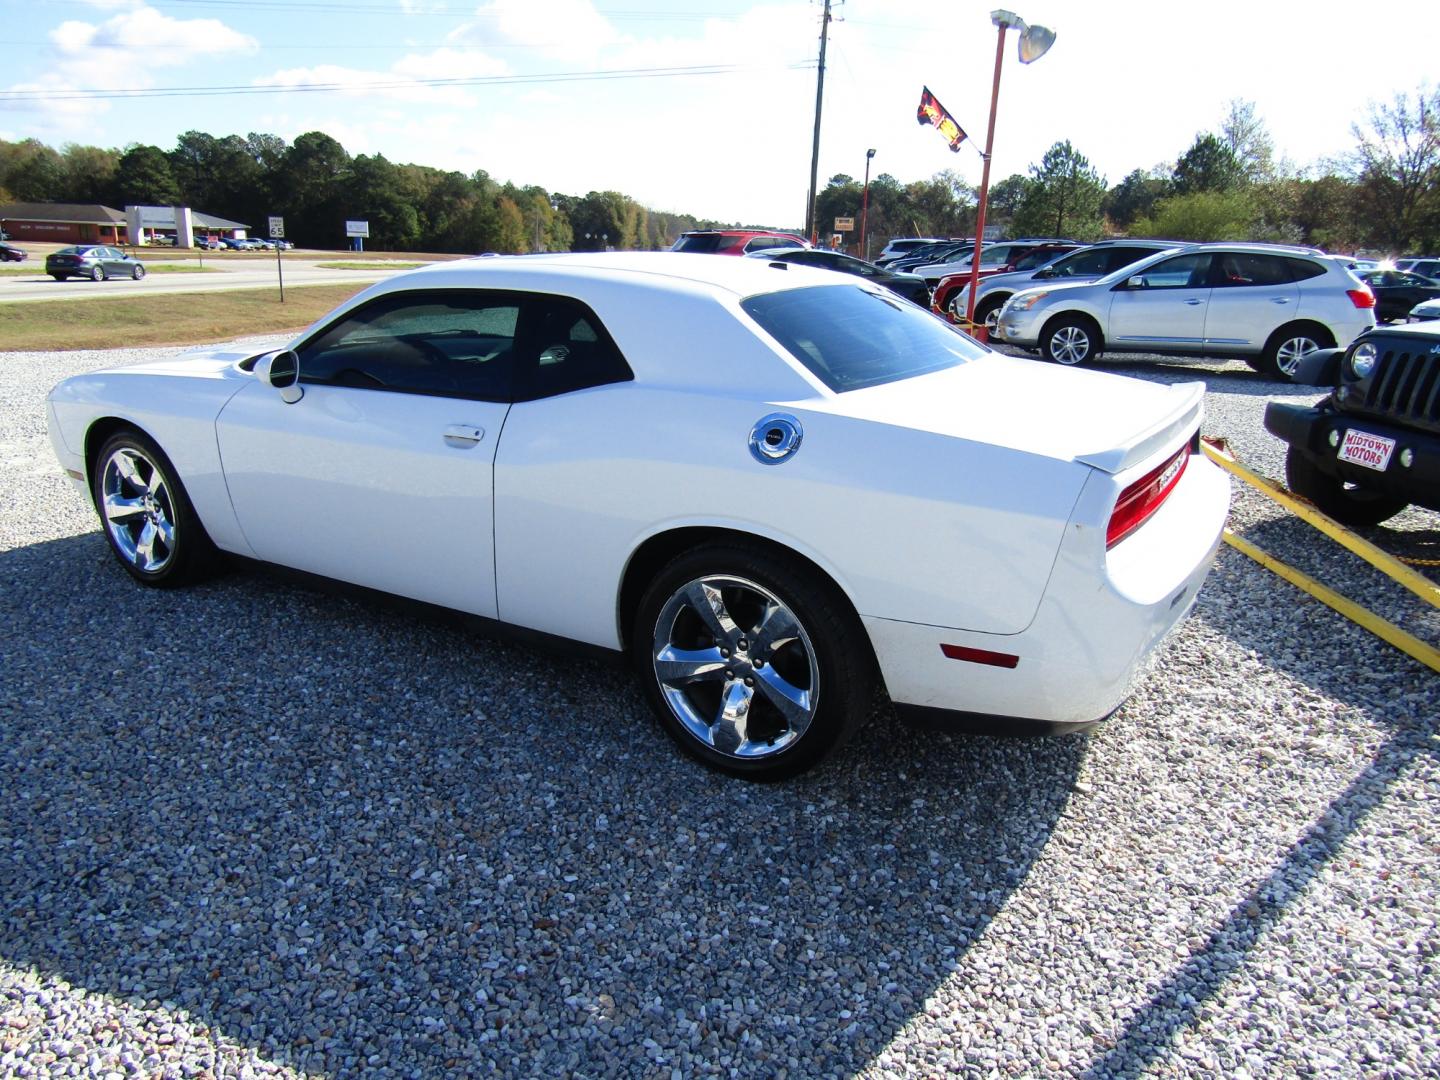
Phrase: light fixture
(1035, 42)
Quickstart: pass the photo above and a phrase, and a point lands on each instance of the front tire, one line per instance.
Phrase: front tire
(754, 663)
(1070, 340)
(146, 515)
(1347, 504)
(137, 271)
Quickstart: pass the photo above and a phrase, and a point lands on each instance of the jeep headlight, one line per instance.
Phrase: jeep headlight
(1362, 360)
(1027, 300)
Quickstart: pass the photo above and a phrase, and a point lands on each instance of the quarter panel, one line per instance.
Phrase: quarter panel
(912, 525)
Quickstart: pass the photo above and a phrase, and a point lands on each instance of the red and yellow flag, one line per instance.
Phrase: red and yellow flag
(932, 112)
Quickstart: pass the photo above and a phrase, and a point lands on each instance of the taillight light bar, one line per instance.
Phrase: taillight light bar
(1361, 298)
(1139, 501)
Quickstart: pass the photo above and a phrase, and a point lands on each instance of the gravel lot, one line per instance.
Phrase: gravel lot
(250, 830)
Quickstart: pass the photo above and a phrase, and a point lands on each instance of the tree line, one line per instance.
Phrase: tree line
(316, 186)
(1383, 195)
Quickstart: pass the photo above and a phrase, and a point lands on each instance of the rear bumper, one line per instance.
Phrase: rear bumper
(1092, 637)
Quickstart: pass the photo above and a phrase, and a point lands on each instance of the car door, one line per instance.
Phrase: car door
(381, 474)
(1162, 306)
(1253, 295)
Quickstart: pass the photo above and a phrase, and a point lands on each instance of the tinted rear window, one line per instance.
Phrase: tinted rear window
(850, 338)
(706, 244)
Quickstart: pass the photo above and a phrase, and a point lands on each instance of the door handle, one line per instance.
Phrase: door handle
(1279, 300)
(463, 436)
(1193, 303)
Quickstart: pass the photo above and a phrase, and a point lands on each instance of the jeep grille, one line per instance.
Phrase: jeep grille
(1405, 385)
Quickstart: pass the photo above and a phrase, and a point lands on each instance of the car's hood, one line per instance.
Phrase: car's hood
(1056, 286)
(209, 362)
(1107, 421)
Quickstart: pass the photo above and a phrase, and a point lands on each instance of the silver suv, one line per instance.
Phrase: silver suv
(1265, 304)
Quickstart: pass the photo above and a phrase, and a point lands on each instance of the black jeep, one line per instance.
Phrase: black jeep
(1372, 447)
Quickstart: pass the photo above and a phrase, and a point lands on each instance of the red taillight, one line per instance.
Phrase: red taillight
(1141, 499)
(1361, 298)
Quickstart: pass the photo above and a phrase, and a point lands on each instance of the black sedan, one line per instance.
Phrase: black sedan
(910, 286)
(1396, 292)
(93, 261)
(9, 253)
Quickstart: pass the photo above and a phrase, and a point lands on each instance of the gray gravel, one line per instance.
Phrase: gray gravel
(250, 830)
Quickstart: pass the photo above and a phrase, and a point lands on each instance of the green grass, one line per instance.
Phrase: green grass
(168, 319)
(17, 271)
(368, 265)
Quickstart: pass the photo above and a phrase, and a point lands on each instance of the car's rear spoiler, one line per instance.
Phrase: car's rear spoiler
(1187, 403)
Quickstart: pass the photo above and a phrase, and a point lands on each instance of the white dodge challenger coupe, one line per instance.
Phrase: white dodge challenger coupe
(775, 488)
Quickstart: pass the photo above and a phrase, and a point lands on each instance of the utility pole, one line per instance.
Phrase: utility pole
(815, 150)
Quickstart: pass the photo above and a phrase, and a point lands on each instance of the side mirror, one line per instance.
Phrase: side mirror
(282, 371)
(1136, 282)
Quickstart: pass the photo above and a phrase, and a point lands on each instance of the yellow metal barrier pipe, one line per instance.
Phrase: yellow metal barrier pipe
(1386, 563)
(1386, 631)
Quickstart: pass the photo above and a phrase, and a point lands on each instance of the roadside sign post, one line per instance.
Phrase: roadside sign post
(358, 232)
(277, 233)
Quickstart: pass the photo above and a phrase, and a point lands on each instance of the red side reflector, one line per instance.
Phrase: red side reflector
(980, 656)
(1361, 298)
(1139, 501)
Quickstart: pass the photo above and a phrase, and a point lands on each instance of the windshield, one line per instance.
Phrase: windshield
(850, 337)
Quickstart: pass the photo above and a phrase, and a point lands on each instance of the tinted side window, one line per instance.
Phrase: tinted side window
(1181, 272)
(1115, 258)
(566, 348)
(1303, 269)
(1245, 268)
(448, 344)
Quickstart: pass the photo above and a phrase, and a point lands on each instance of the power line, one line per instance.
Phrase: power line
(49, 94)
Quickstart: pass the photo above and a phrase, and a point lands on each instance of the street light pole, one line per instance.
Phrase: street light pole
(1034, 42)
(865, 208)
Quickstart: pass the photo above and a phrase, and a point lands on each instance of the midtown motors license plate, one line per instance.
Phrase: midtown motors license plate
(1371, 451)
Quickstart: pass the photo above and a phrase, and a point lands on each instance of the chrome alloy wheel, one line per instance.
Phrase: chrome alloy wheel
(735, 666)
(1289, 352)
(138, 510)
(1069, 345)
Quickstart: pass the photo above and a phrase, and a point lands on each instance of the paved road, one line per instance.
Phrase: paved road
(248, 275)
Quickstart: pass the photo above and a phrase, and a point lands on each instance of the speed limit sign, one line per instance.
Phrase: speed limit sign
(277, 228)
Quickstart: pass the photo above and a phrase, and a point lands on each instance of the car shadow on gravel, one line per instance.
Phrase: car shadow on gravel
(1299, 639)
(358, 842)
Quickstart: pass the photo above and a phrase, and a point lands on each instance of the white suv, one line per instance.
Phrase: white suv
(1265, 304)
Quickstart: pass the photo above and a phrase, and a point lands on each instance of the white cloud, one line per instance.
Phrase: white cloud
(144, 36)
(562, 29)
(402, 81)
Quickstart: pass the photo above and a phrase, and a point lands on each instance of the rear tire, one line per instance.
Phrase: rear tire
(1287, 345)
(753, 662)
(1346, 503)
(97, 273)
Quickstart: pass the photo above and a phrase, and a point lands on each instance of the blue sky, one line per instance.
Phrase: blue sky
(703, 106)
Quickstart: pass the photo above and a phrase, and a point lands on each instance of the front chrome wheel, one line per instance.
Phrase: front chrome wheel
(1069, 344)
(736, 667)
(138, 509)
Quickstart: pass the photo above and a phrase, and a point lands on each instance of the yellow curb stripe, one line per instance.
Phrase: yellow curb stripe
(1386, 563)
(1387, 631)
